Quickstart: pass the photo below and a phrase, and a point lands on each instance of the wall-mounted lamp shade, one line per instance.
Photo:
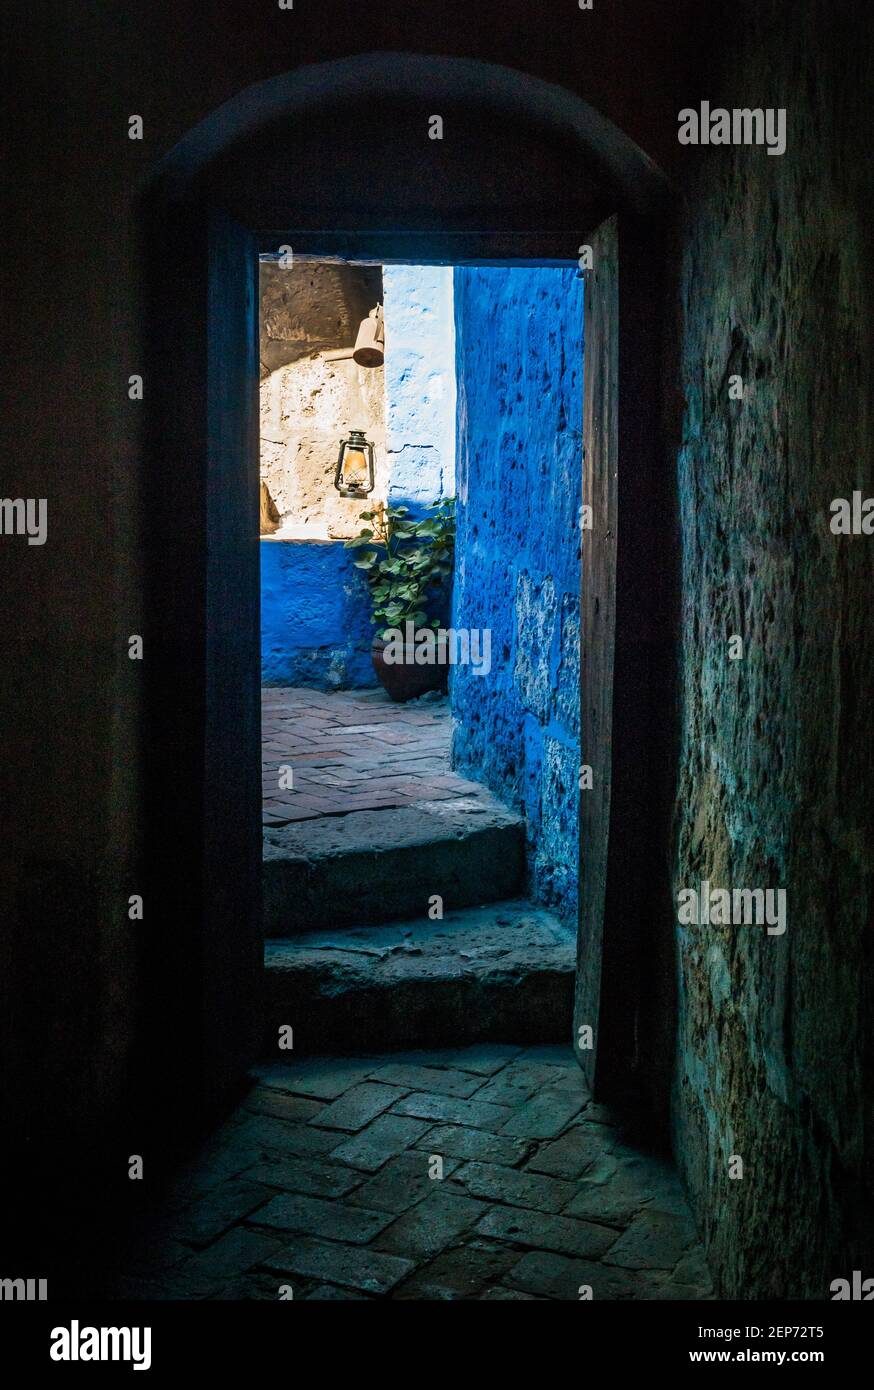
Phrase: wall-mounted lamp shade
(354, 475)
(369, 348)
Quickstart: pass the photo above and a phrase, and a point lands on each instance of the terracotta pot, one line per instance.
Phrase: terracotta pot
(405, 680)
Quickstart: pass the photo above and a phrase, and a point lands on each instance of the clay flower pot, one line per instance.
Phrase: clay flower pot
(405, 680)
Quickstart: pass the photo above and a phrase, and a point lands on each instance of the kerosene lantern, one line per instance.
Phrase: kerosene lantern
(354, 475)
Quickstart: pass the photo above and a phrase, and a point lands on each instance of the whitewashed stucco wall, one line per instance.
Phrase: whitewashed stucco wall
(419, 382)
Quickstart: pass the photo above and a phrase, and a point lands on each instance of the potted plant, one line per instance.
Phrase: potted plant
(408, 563)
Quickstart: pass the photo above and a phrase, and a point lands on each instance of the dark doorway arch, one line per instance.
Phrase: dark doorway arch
(433, 80)
(335, 156)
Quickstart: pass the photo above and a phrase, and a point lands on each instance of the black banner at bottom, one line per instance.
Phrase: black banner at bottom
(257, 1338)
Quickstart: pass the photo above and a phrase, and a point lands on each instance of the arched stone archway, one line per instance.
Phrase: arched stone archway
(348, 131)
(635, 182)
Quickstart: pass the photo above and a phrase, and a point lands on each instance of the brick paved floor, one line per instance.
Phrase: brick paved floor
(353, 751)
(324, 1181)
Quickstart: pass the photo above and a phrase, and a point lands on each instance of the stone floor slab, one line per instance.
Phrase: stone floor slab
(545, 1274)
(384, 1138)
(614, 1203)
(569, 1156)
(545, 1115)
(356, 1108)
(430, 1226)
(476, 1114)
(330, 1293)
(349, 1266)
(403, 1181)
(310, 1178)
(329, 1220)
(516, 1188)
(323, 1078)
(539, 1231)
(475, 1144)
(502, 1295)
(220, 1209)
(654, 1240)
(443, 1081)
(281, 1105)
(459, 1273)
(234, 1253)
(484, 1058)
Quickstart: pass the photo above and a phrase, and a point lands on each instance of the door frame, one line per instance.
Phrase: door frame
(202, 554)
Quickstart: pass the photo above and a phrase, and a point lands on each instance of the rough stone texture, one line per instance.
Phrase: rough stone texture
(379, 1141)
(307, 1176)
(654, 1240)
(315, 616)
(419, 383)
(776, 765)
(310, 307)
(519, 470)
(539, 1231)
(544, 1274)
(368, 1270)
(483, 973)
(356, 1108)
(308, 401)
(403, 1182)
(333, 1220)
(438, 1220)
(500, 1184)
(372, 866)
(459, 1142)
(459, 1273)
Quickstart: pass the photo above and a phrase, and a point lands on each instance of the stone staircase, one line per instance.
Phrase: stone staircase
(483, 974)
(374, 866)
(356, 957)
(354, 961)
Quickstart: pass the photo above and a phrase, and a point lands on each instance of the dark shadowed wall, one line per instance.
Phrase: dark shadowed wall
(775, 782)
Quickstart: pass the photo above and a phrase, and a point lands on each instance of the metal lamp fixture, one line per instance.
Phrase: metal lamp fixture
(354, 475)
(369, 350)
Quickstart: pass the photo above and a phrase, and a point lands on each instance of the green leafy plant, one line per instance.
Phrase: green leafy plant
(407, 562)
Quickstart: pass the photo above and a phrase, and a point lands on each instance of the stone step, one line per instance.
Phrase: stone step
(378, 866)
(504, 970)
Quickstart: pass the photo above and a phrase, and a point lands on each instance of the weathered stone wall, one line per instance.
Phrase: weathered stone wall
(776, 766)
(310, 400)
(519, 479)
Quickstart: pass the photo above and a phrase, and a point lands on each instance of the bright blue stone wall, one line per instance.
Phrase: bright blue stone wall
(519, 479)
(315, 616)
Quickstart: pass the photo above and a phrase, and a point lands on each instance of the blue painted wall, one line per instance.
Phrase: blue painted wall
(315, 616)
(519, 480)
